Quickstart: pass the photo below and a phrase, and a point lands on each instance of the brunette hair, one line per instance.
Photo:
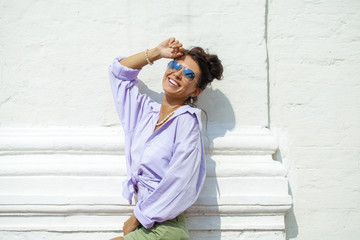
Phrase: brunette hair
(210, 67)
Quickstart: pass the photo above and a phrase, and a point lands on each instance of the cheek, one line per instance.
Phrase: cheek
(194, 83)
(190, 88)
(165, 77)
(166, 74)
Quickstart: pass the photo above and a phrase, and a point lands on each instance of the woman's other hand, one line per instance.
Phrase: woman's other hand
(170, 48)
(130, 225)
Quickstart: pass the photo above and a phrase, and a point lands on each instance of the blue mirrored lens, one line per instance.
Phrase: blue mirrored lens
(188, 73)
(174, 65)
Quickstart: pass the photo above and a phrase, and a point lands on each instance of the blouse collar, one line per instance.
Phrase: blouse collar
(181, 110)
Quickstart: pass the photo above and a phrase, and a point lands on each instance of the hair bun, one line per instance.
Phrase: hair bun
(215, 66)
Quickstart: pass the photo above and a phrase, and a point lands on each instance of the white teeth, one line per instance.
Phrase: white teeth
(173, 82)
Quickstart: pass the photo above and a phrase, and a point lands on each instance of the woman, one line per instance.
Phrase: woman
(163, 143)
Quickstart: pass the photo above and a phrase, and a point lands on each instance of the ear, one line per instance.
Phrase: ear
(196, 92)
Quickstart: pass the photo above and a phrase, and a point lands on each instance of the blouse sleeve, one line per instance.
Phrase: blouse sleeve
(182, 183)
(129, 103)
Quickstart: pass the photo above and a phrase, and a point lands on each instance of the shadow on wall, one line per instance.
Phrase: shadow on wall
(219, 110)
(291, 226)
(210, 101)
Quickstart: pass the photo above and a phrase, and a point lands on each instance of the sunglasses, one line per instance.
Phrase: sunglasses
(188, 74)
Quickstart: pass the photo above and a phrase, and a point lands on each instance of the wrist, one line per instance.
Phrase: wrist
(154, 54)
(135, 220)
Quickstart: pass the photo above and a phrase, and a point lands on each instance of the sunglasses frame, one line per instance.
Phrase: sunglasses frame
(176, 66)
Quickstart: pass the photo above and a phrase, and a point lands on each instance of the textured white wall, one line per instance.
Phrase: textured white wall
(55, 57)
(314, 50)
(53, 73)
(61, 150)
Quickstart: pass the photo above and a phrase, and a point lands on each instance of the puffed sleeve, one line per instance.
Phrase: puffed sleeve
(182, 183)
(129, 103)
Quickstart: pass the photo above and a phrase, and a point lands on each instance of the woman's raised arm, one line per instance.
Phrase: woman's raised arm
(170, 48)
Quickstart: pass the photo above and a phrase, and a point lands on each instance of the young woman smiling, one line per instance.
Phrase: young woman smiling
(163, 143)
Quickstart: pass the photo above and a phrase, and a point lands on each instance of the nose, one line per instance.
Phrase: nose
(178, 74)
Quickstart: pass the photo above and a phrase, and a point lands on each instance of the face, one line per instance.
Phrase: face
(178, 86)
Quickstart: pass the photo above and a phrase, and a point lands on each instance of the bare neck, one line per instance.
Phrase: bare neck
(168, 105)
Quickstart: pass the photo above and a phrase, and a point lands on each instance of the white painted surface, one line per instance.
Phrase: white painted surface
(59, 127)
(69, 180)
(56, 56)
(314, 56)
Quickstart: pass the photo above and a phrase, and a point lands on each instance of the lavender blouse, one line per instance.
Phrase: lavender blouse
(165, 168)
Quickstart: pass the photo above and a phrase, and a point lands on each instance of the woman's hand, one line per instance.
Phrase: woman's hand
(170, 48)
(130, 225)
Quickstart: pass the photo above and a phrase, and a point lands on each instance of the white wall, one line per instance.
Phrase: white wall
(56, 54)
(61, 145)
(290, 93)
(314, 50)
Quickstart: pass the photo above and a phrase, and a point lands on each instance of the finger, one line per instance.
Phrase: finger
(178, 54)
(171, 40)
(175, 46)
(179, 50)
(178, 45)
(175, 43)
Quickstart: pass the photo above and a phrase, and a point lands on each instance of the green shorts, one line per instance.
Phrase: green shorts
(174, 229)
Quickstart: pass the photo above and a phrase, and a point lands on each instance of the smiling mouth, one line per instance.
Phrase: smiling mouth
(173, 83)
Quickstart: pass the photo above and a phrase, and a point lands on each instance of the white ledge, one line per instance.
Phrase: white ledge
(239, 141)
